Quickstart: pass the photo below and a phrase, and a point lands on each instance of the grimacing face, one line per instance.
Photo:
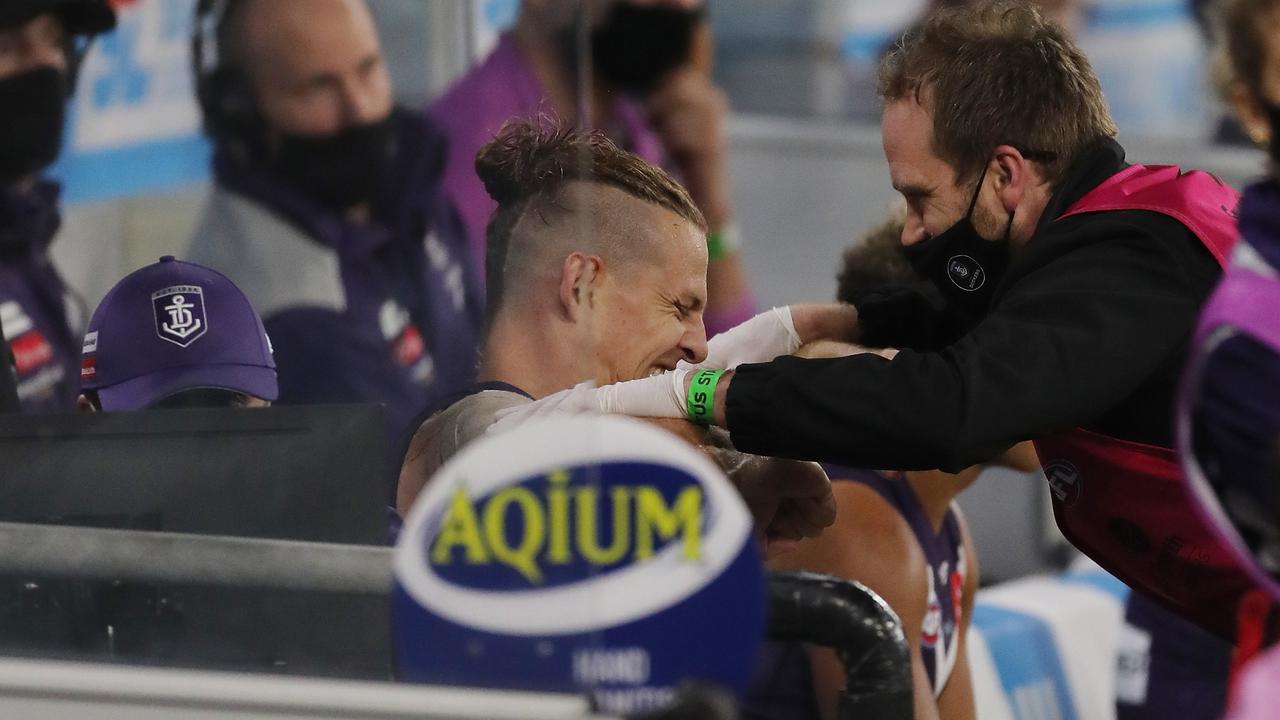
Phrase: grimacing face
(650, 312)
(317, 65)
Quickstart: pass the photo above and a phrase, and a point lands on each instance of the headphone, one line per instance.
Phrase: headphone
(224, 92)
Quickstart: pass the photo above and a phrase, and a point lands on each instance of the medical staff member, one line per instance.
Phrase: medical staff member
(1072, 281)
(39, 51)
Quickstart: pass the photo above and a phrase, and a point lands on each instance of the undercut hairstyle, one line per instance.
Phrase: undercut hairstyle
(527, 169)
(1240, 31)
(876, 262)
(996, 72)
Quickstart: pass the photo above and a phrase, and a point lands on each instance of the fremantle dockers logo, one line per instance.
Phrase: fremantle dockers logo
(180, 317)
(966, 273)
(1064, 481)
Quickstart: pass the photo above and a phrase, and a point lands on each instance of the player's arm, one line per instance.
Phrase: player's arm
(870, 543)
(414, 471)
(956, 701)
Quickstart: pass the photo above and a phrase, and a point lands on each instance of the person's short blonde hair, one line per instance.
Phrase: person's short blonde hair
(996, 72)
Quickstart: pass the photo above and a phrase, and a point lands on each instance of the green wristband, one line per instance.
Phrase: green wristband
(723, 243)
(702, 396)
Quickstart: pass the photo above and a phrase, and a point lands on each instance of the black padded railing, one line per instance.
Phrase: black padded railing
(863, 630)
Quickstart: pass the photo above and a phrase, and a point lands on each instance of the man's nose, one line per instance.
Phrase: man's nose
(694, 344)
(36, 56)
(361, 103)
(912, 231)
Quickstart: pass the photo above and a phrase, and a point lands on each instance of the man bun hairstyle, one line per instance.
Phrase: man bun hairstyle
(528, 165)
(996, 72)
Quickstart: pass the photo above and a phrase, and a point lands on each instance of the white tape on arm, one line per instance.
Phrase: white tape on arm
(760, 339)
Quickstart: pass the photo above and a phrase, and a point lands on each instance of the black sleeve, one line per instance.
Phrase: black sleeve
(8, 381)
(907, 318)
(1088, 318)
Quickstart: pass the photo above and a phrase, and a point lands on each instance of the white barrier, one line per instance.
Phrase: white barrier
(1044, 648)
(75, 691)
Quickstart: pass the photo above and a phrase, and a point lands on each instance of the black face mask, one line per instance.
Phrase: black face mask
(338, 171)
(637, 46)
(965, 267)
(32, 107)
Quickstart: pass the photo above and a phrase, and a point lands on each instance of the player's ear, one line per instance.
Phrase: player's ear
(85, 405)
(580, 275)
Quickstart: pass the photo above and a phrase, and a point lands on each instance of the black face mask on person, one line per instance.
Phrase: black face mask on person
(33, 105)
(964, 266)
(341, 170)
(637, 46)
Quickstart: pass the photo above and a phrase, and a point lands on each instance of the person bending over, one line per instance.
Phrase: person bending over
(899, 533)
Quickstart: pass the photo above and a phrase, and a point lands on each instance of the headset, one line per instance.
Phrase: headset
(223, 91)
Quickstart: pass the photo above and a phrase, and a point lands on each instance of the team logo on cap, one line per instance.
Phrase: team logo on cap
(179, 312)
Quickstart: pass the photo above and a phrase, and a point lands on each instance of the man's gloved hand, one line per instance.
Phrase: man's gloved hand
(660, 396)
(790, 500)
(760, 339)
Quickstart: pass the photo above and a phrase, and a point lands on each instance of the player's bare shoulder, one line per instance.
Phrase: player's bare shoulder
(444, 434)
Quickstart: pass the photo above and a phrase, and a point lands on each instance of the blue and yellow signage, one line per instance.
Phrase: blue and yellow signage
(579, 555)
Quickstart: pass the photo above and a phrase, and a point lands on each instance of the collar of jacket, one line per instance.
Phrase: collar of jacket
(410, 191)
(28, 219)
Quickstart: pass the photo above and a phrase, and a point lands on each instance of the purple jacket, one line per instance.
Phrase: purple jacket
(383, 313)
(33, 302)
(501, 88)
(1235, 415)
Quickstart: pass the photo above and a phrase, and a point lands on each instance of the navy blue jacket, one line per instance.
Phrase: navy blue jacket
(385, 312)
(33, 302)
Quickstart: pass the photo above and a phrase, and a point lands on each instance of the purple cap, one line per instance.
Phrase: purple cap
(170, 327)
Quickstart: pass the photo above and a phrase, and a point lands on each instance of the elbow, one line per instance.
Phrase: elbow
(953, 450)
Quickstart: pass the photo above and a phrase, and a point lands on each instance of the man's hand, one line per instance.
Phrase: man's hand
(760, 339)
(832, 349)
(779, 331)
(790, 500)
(688, 112)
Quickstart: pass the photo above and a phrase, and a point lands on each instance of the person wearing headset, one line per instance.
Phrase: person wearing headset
(326, 207)
(38, 57)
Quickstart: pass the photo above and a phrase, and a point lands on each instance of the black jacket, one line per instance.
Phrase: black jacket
(1087, 329)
